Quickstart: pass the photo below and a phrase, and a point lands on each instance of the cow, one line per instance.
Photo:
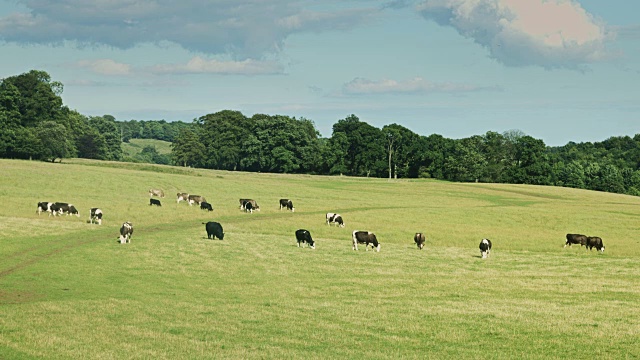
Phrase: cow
(182, 197)
(214, 230)
(156, 192)
(334, 219)
(126, 231)
(155, 202)
(206, 206)
(95, 214)
(64, 208)
(248, 207)
(485, 248)
(254, 204)
(575, 239)
(287, 204)
(366, 238)
(196, 199)
(594, 242)
(304, 236)
(44, 206)
(419, 240)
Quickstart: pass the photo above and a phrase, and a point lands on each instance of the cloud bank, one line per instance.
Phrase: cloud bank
(243, 28)
(417, 85)
(547, 33)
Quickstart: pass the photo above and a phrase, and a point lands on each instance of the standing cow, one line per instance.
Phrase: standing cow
(60, 208)
(304, 236)
(182, 197)
(575, 239)
(195, 199)
(126, 231)
(206, 206)
(95, 214)
(335, 219)
(485, 248)
(419, 239)
(366, 238)
(594, 242)
(155, 202)
(156, 192)
(44, 206)
(287, 204)
(214, 230)
(254, 204)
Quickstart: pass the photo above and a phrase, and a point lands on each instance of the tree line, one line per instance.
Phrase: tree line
(34, 124)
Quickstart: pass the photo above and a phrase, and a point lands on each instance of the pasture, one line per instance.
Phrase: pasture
(68, 290)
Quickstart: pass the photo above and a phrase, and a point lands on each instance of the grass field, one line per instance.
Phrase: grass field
(68, 290)
(135, 146)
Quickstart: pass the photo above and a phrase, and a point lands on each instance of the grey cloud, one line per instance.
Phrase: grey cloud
(418, 85)
(243, 28)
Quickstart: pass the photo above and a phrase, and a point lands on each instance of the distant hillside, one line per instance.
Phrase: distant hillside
(147, 150)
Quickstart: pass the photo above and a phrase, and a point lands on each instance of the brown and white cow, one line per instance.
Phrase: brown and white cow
(182, 197)
(253, 205)
(366, 238)
(196, 199)
(156, 192)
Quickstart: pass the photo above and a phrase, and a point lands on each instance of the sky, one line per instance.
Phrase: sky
(558, 70)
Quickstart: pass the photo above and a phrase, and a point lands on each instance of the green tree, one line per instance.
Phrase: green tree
(52, 140)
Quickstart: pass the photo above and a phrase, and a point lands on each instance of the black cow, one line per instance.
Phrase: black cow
(206, 206)
(575, 239)
(485, 248)
(95, 214)
(594, 242)
(44, 206)
(214, 230)
(366, 238)
(287, 204)
(155, 202)
(304, 236)
(126, 231)
(419, 239)
(334, 219)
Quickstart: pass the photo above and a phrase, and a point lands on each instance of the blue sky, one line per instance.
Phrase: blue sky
(558, 70)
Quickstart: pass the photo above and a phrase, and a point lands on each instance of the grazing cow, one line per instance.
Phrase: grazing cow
(126, 231)
(575, 239)
(196, 199)
(419, 239)
(304, 236)
(155, 202)
(44, 206)
(64, 208)
(214, 230)
(485, 248)
(182, 197)
(95, 215)
(334, 219)
(248, 207)
(254, 204)
(156, 192)
(594, 242)
(288, 204)
(206, 206)
(366, 238)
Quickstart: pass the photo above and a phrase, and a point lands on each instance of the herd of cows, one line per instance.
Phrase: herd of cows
(214, 229)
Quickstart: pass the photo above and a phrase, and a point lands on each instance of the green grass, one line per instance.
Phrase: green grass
(69, 291)
(135, 146)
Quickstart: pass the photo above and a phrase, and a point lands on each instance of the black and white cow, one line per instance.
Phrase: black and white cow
(366, 238)
(64, 208)
(214, 230)
(419, 239)
(126, 231)
(287, 204)
(182, 197)
(335, 219)
(44, 206)
(155, 202)
(248, 207)
(156, 192)
(304, 236)
(206, 206)
(485, 248)
(594, 242)
(95, 215)
(254, 205)
(576, 239)
(196, 199)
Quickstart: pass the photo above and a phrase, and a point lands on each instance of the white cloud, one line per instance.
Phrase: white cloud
(105, 67)
(243, 28)
(198, 65)
(548, 33)
(361, 86)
